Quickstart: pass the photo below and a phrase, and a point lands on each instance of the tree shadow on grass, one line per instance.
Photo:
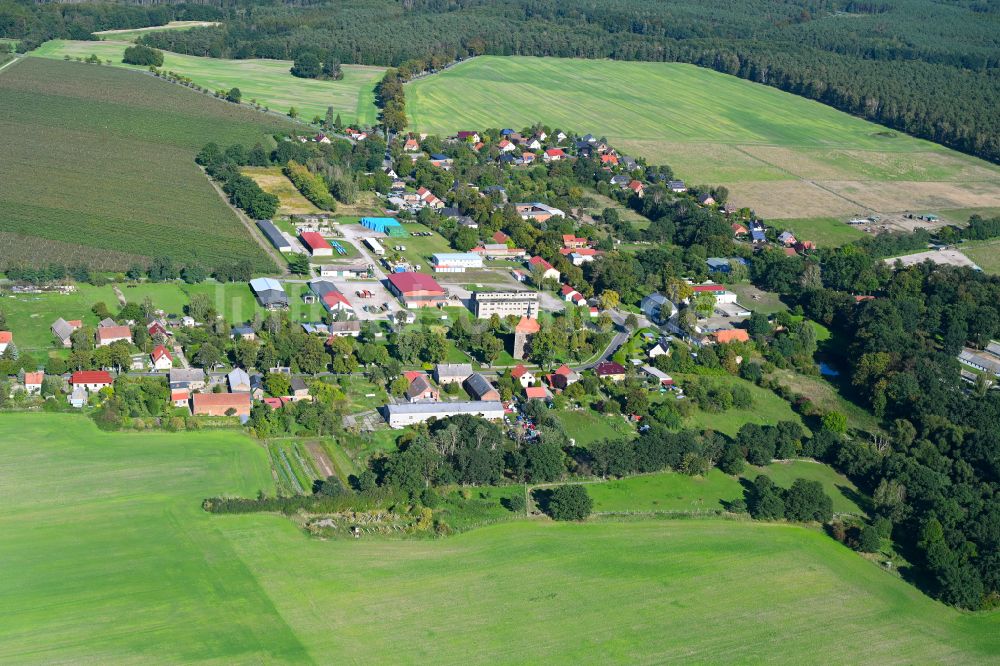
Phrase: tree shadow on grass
(864, 503)
(542, 497)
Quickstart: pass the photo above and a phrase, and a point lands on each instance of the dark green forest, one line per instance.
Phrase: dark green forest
(926, 67)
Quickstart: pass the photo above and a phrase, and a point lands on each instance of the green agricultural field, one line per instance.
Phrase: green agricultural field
(783, 155)
(116, 562)
(267, 81)
(115, 152)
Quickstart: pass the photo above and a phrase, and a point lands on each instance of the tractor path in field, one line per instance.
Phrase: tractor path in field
(796, 176)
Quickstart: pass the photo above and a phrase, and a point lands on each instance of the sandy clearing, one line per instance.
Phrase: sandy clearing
(944, 257)
(173, 25)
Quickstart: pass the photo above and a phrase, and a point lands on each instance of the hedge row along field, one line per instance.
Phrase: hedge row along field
(100, 161)
(310, 185)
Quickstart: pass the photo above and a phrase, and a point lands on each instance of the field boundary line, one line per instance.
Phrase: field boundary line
(799, 178)
(11, 62)
(251, 228)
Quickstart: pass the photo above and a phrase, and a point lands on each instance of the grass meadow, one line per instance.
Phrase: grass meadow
(986, 254)
(114, 561)
(767, 408)
(783, 155)
(267, 81)
(30, 316)
(99, 169)
(824, 231)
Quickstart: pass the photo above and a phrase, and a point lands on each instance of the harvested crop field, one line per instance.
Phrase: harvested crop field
(783, 155)
(272, 180)
(115, 152)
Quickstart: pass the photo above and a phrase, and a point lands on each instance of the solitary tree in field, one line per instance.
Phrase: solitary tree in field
(234, 95)
(569, 503)
(293, 112)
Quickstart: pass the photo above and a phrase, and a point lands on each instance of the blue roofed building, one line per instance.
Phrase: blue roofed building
(384, 225)
(718, 264)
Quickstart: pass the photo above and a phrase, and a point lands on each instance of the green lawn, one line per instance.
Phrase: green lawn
(757, 300)
(115, 562)
(824, 231)
(767, 408)
(586, 426)
(666, 491)
(116, 153)
(419, 248)
(783, 155)
(267, 81)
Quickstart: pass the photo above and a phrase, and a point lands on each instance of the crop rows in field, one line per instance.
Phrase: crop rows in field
(16, 247)
(294, 468)
(104, 159)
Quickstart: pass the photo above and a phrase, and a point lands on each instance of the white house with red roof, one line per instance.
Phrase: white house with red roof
(506, 146)
(6, 339)
(91, 380)
(330, 296)
(524, 376)
(637, 188)
(107, 335)
(33, 382)
(554, 155)
(316, 244)
(429, 199)
(572, 241)
(568, 292)
(180, 397)
(161, 358)
(548, 272)
(157, 328)
(411, 145)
